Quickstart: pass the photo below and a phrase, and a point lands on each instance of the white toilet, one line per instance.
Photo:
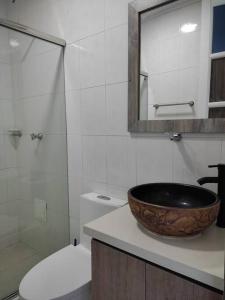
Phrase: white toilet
(66, 274)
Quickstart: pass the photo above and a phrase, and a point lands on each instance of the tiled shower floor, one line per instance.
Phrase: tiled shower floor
(15, 261)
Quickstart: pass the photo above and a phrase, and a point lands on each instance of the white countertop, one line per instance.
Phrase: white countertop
(200, 258)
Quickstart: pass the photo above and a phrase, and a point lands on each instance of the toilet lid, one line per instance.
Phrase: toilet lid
(58, 275)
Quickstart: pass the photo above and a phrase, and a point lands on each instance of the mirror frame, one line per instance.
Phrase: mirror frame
(217, 125)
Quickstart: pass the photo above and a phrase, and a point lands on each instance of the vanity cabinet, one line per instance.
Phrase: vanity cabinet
(117, 275)
(164, 285)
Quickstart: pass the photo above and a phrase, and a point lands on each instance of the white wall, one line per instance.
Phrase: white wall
(103, 156)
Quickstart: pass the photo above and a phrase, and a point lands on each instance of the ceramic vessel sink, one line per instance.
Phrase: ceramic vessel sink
(172, 209)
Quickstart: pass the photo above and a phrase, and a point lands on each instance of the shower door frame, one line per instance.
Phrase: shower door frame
(45, 37)
(32, 32)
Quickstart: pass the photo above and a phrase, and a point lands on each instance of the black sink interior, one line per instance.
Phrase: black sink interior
(174, 195)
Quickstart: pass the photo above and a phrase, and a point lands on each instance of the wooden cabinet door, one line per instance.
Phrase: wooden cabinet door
(116, 275)
(164, 285)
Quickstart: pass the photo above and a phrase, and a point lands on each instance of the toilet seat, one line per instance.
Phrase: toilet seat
(63, 275)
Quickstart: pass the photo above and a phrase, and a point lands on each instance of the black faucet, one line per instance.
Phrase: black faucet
(221, 191)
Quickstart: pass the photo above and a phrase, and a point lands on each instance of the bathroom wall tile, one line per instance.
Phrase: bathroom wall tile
(5, 81)
(90, 185)
(73, 112)
(42, 15)
(44, 114)
(46, 157)
(93, 111)
(25, 213)
(192, 156)
(29, 115)
(27, 47)
(77, 19)
(117, 192)
(116, 45)
(72, 66)
(74, 155)
(13, 10)
(189, 58)
(52, 154)
(53, 114)
(169, 50)
(3, 9)
(12, 185)
(39, 46)
(7, 115)
(8, 219)
(75, 190)
(188, 84)
(48, 76)
(116, 12)
(154, 160)
(121, 161)
(2, 152)
(90, 17)
(55, 192)
(94, 158)
(3, 186)
(151, 47)
(24, 155)
(169, 82)
(5, 46)
(116, 108)
(92, 61)
(10, 152)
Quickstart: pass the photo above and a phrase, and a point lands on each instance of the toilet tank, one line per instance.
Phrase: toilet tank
(93, 206)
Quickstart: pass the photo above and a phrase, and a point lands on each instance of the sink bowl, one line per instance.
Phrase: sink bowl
(172, 209)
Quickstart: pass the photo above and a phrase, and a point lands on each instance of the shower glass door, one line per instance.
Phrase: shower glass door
(33, 155)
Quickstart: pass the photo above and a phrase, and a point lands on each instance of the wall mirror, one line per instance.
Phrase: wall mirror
(177, 66)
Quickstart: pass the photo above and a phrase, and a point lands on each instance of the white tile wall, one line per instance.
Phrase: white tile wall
(115, 12)
(3, 9)
(92, 53)
(96, 59)
(93, 111)
(116, 48)
(116, 108)
(154, 161)
(121, 161)
(94, 158)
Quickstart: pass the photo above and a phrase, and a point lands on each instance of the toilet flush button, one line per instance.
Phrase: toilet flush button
(102, 197)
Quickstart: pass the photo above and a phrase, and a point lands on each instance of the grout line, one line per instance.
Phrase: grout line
(96, 33)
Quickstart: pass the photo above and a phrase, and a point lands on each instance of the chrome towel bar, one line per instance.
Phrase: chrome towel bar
(190, 103)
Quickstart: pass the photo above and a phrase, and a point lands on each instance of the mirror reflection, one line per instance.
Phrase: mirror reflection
(182, 63)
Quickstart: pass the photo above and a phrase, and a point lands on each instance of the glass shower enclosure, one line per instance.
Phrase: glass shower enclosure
(33, 153)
